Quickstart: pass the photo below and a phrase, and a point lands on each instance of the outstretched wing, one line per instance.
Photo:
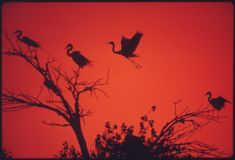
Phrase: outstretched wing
(134, 41)
(124, 42)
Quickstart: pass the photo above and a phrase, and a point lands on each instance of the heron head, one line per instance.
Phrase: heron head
(111, 42)
(208, 93)
(18, 32)
(69, 45)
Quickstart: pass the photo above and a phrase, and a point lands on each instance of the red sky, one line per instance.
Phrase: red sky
(186, 50)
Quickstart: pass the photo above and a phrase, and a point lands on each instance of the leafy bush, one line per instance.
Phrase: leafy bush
(173, 140)
(4, 154)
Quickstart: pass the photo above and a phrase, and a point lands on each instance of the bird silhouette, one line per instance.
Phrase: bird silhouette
(29, 42)
(217, 103)
(128, 47)
(77, 56)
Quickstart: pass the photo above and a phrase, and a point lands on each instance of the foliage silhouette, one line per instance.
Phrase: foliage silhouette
(173, 141)
(68, 152)
(58, 82)
(128, 47)
(4, 154)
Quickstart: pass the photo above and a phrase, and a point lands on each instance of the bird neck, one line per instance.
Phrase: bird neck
(70, 48)
(209, 97)
(19, 34)
(113, 48)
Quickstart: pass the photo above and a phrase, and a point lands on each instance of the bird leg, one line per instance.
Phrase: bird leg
(76, 72)
(135, 63)
(213, 113)
(29, 49)
(19, 45)
(32, 50)
(217, 114)
(40, 92)
(138, 66)
(50, 98)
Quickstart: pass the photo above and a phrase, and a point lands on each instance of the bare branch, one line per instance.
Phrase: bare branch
(53, 124)
(17, 101)
(92, 87)
(175, 103)
(183, 126)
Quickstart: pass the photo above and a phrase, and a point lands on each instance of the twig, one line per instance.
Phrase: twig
(53, 124)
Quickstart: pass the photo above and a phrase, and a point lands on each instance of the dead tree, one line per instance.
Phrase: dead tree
(54, 78)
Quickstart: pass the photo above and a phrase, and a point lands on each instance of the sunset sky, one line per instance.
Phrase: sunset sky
(186, 50)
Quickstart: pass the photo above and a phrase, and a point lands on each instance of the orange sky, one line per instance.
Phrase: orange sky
(186, 50)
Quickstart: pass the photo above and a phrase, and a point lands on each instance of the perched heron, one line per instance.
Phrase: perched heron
(217, 103)
(77, 56)
(29, 42)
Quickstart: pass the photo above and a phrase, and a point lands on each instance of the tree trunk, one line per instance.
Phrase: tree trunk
(80, 138)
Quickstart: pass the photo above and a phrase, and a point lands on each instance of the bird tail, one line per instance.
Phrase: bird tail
(42, 49)
(134, 55)
(228, 101)
(91, 63)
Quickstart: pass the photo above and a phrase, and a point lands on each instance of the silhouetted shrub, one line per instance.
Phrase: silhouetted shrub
(172, 141)
(68, 152)
(4, 154)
